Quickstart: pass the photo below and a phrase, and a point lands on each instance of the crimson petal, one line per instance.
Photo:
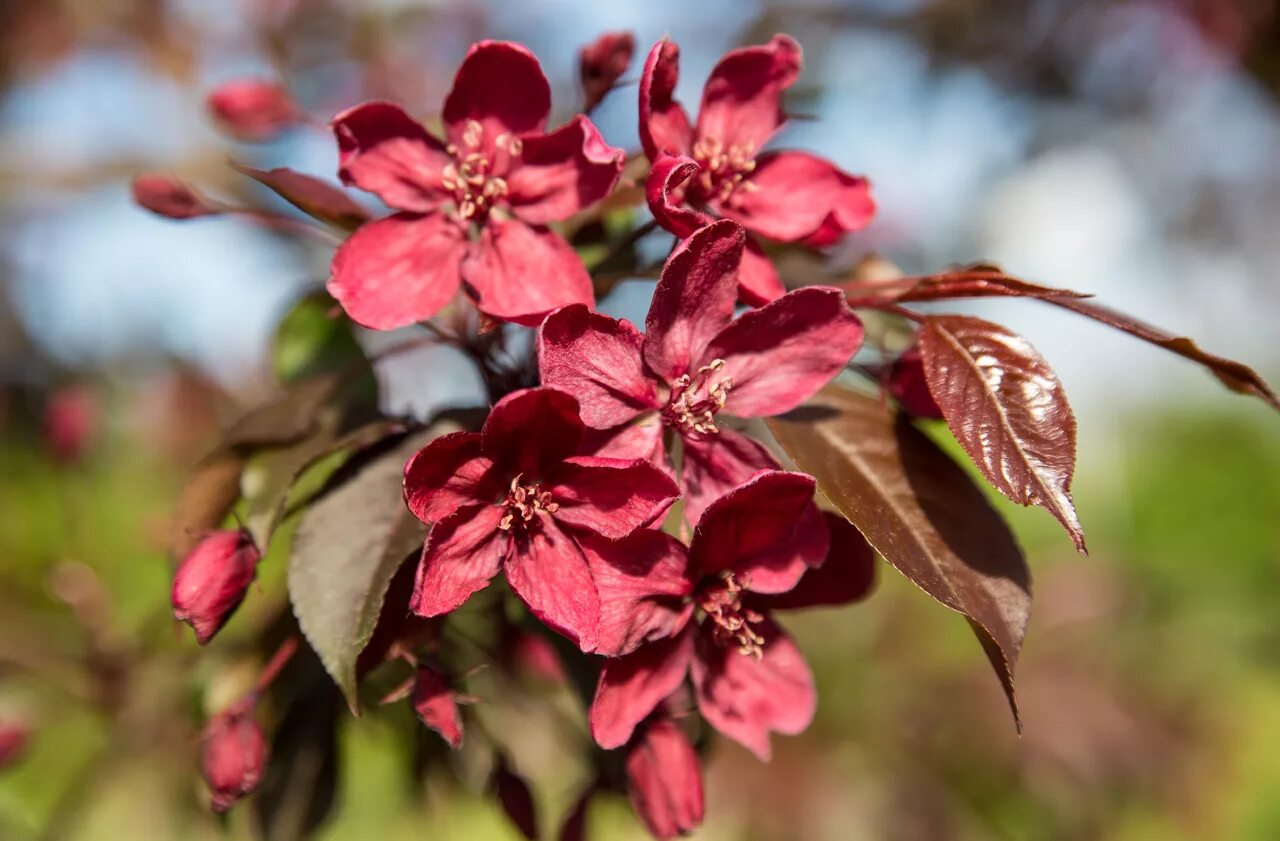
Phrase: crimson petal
(758, 281)
(384, 151)
(662, 191)
(664, 126)
(549, 573)
(463, 551)
(611, 497)
(447, 474)
(631, 687)
(562, 172)
(501, 86)
(793, 194)
(532, 430)
(641, 581)
(398, 270)
(846, 575)
(783, 353)
(664, 780)
(598, 360)
(716, 464)
(522, 272)
(437, 706)
(742, 101)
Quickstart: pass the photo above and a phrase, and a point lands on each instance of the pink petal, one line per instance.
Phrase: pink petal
(781, 354)
(742, 102)
(562, 172)
(398, 270)
(641, 438)
(532, 431)
(522, 272)
(716, 464)
(547, 570)
(597, 359)
(664, 780)
(253, 109)
(758, 281)
(664, 127)
(642, 584)
(602, 63)
(447, 474)
(745, 698)
(766, 531)
(611, 497)
(631, 687)
(501, 86)
(463, 551)
(846, 575)
(664, 191)
(437, 706)
(793, 194)
(694, 298)
(384, 151)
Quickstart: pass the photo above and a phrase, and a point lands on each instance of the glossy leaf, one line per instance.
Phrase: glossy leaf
(347, 548)
(918, 509)
(1008, 410)
(1236, 376)
(314, 197)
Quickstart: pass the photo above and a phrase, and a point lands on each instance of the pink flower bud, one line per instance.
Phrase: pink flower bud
(253, 109)
(14, 738)
(171, 198)
(70, 422)
(907, 384)
(437, 705)
(664, 780)
(601, 63)
(235, 753)
(212, 580)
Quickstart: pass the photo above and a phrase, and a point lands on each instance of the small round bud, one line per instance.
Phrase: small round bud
(235, 753)
(212, 581)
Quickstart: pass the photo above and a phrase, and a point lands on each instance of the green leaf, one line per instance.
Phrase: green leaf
(316, 338)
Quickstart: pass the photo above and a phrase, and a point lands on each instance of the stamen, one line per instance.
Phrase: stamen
(724, 171)
(731, 621)
(696, 399)
(523, 502)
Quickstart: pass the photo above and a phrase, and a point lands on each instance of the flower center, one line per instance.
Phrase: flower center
(731, 622)
(724, 171)
(471, 179)
(523, 502)
(696, 398)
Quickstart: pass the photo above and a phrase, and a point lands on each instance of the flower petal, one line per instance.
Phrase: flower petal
(694, 298)
(611, 497)
(384, 151)
(531, 431)
(522, 272)
(664, 127)
(463, 551)
(758, 281)
(781, 354)
(664, 780)
(742, 102)
(846, 575)
(398, 270)
(597, 359)
(716, 464)
(437, 706)
(562, 172)
(501, 86)
(642, 582)
(793, 193)
(448, 474)
(664, 191)
(745, 698)
(547, 570)
(641, 438)
(631, 687)
(766, 531)
(602, 63)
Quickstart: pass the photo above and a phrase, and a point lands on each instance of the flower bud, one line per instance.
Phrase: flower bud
(169, 197)
(907, 383)
(664, 780)
(14, 738)
(601, 63)
(252, 109)
(70, 422)
(212, 581)
(235, 753)
(437, 705)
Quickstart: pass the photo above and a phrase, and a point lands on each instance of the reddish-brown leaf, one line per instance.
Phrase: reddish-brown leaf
(976, 282)
(318, 199)
(1007, 408)
(918, 509)
(1236, 376)
(204, 502)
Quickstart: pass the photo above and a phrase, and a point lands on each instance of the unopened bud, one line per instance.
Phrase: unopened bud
(235, 754)
(664, 780)
(601, 63)
(253, 109)
(71, 422)
(437, 705)
(14, 738)
(212, 581)
(170, 197)
(907, 383)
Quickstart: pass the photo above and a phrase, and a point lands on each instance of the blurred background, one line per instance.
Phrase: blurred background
(1127, 149)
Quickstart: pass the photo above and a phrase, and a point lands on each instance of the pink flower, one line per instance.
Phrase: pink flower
(754, 549)
(437, 705)
(696, 361)
(234, 755)
(515, 496)
(717, 167)
(601, 63)
(473, 207)
(664, 779)
(212, 580)
(253, 109)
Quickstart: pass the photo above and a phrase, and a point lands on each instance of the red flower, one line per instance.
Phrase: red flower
(253, 109)
(695, 360)
(664, 779)
(212, 580)
(752, 551)
(234, 755)
(717, 166)
(601, 63)
(515, 496)
(474, 207)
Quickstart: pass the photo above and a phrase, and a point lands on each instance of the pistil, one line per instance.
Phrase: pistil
(523, 502)
(731, 621)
